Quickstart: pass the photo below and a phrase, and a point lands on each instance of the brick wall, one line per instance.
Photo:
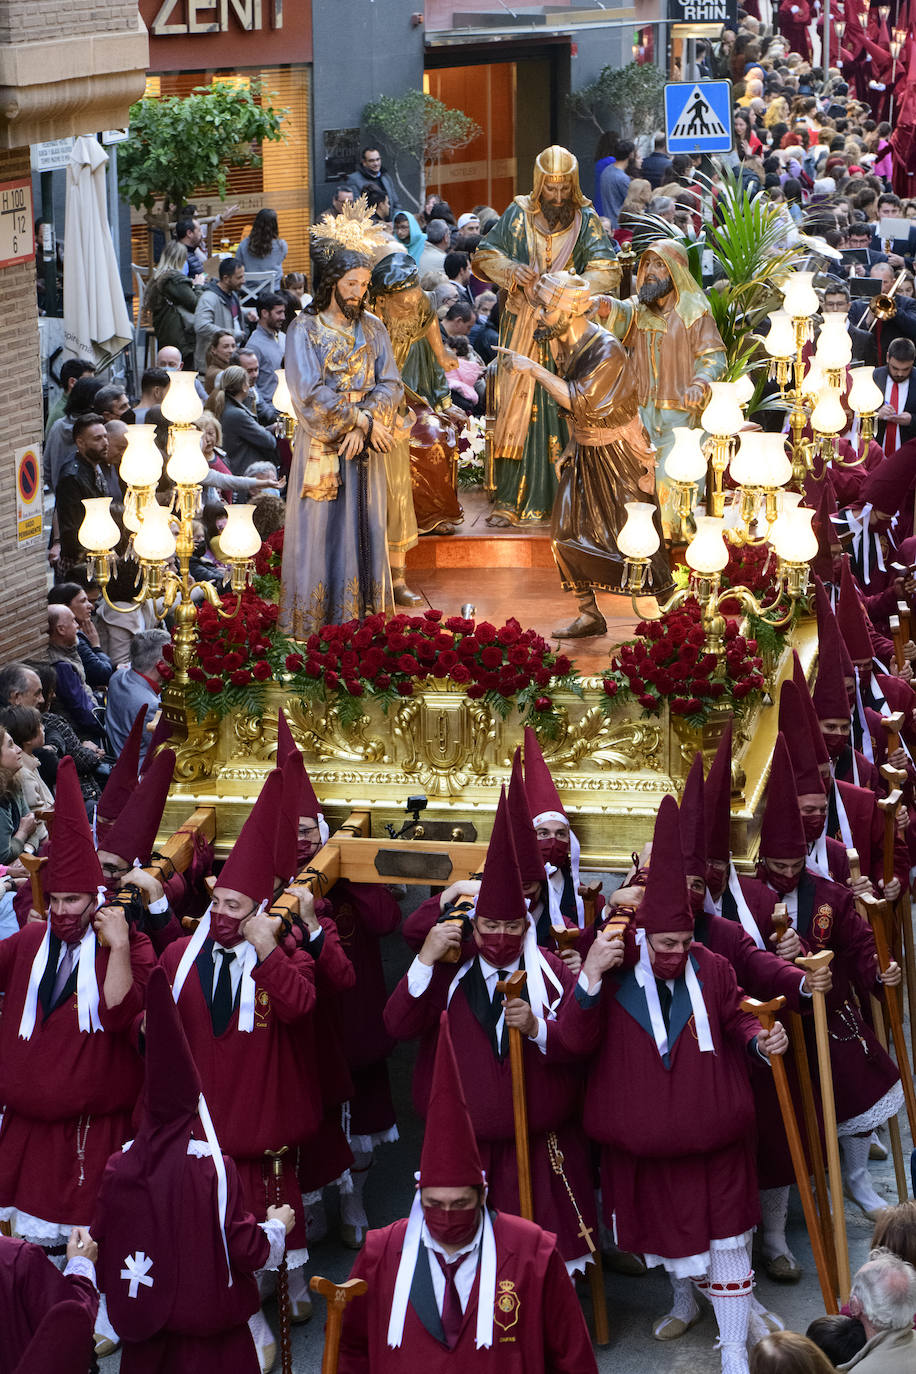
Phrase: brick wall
(32, 20)
(23, 613)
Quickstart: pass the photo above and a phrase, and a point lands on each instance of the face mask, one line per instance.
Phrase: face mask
(451, 1227)
(554, 851)
(499, 950)
(69, 929)
(813, 827)
(225, 929)
(715, 881)
(835, 743)
(783, 883)
(306, 851)
(697, 901)
(669, 965)
(864, 679)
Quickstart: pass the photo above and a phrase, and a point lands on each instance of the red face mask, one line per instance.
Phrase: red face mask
(554, 851)
(671, 964)
(451, 1227)
(697, 901)
(499, 950)
(783, 883)
(715, 881)
(835, 743)
(306, 851)
(225, 929)
(813, 826)
(70, 929)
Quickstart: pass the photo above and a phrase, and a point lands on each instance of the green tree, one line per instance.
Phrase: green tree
(628, 99)
(418, 126)
(182, 142)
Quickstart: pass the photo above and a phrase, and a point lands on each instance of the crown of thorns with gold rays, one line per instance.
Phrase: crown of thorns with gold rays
(355, 228)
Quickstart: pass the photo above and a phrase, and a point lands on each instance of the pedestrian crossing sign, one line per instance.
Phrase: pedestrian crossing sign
(698, 116)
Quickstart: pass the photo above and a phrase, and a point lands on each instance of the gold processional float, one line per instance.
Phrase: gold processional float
(439, 757)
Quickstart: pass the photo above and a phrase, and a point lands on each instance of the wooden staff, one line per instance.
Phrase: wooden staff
(896, 778)
(888, 807)
(765, 1013)
(899, 641)
(828, 1105)
(283, 1308)
(878, 920)
(33, 864)
(337, 1296)
(780, 919)
(512, 989)
(904, 614)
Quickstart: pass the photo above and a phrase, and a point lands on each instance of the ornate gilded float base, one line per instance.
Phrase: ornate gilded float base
(612, 771)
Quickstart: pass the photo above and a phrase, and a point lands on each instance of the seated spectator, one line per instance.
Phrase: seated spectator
(20, 685)
(840, 1337)
(785, 1352)
(268, 343)
(172, 299)
(883, 1297)
(62, 739)
(133, 687)
(70, 373)
(73, 692)
(25, 729)
(262, 250)
(59, 445)
(443, 297)
(154, 383)
(245, 440)
(17, 823)
(97, 665)
(81, 478)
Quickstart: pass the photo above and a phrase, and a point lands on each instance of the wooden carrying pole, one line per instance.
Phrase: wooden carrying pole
(337, 1296)
(765, 1013)
(283, 1308)
(897, 778)
(897, 636)
(512, 989)
(780, 921)
(878, 919)
(176, 854)
(825, 1070)
(33, 864)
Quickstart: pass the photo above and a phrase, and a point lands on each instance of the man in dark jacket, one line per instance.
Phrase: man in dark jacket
(370, 172)
(656, 168)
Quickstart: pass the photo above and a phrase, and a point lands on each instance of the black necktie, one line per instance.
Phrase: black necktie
(497, 1010)
(221, 1007)
(664, 1000)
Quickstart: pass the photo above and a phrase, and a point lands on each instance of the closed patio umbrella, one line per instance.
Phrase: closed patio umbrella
(96, 322)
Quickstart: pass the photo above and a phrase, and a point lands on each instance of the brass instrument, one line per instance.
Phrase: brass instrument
(884, 307)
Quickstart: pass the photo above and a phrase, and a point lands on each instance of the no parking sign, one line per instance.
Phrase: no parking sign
(28, 494)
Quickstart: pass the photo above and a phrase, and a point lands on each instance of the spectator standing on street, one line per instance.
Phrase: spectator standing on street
(438, 239)
(219, 309)
(370, 172)
(59, 444)
(172, 298)
(80, 478)
(154, 383)
(190, 237)
(268, 342)
(615, 180)
(135, 686)
(244, 440)
(656, 168)
(70, 373)
(262, 250)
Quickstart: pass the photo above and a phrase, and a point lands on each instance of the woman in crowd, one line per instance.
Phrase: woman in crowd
(263, 250)
(17, 823)
(244, 440)
(172, 300)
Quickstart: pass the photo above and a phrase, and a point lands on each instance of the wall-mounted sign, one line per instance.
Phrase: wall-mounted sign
(53, 156)
(17, 232)
(703, 12)
(208, 34)
(28, 494)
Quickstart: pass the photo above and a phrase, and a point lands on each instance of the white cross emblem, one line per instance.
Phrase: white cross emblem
(136, 1268)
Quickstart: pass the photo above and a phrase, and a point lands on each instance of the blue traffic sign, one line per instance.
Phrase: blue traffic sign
(698, 116)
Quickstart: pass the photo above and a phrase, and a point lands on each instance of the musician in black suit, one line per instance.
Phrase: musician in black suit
(897, 417)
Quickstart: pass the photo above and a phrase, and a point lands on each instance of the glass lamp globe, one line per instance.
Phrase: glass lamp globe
(181, 404)
(744, 390)
(828, 416)
(780, 340)
(239, 539)
(707, 552)
(834, 345)
(141, 462)
(799, 297)
(723, 415)
(761, 461)
(282, 400)
(154, 542)
(686, 462)
(98, 532)
(792, 536)
(187, 465)
(865, 396)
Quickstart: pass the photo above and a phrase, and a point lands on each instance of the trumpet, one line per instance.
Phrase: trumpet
(884, 307)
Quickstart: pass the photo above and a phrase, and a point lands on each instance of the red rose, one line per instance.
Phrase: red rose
(164, 671)
(542, 676)
(491, 657)
(444, 640)
(459, 625)
(752, 646)
(518, 655)
(449, 660)
(542, 703)
(664, 682)
(692, 707)
(233, 660)
(475, 691)
(331, 680)
(731, 630)
(610, 686)
(425, 652)
(432, 615)
(407, 663)
(168, 651)
(405, 689)
(489, 681)
(468, 647)
(648, 701)
(679, 706)
(240, 678)
(214, 685)
(348, 660)
(397, 642)
(486, 632)
(312, 667)
(293, 662)
(354, 688)
(262, 671)
(383, 682)
(196, 674)
(562, 665)
(510, 633)
(459, 673)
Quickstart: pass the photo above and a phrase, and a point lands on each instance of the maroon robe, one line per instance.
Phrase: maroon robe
(538, 1326)
(866, 823)
(363, 914)
(29, 1286)
(671, 1188)
(553, 1087)
(68, 1094)
(258, 1092)
(827, 919)
(207, 1327)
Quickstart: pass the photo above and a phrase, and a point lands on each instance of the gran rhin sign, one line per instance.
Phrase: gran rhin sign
(702, 11)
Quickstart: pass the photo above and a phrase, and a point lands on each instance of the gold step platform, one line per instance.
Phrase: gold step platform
(611, 771)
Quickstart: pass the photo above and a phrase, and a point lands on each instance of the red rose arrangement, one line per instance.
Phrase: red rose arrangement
(668, 663)
(752, 566)
(236, 654)
(267, 564)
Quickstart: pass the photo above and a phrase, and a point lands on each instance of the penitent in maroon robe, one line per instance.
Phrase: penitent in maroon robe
(207, 1327)
(69, 1094)
(553, 1089)
(676, 1134)
(259, 1093)
(30, 1285)
(538, 1327)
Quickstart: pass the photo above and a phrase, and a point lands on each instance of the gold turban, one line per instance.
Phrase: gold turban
(556, 164)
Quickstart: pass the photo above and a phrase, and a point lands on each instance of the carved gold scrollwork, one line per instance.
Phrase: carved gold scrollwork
(196, 756)
(631, 744)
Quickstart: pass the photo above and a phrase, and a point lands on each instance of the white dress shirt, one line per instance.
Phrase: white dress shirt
(419, 977)
(466, 1272)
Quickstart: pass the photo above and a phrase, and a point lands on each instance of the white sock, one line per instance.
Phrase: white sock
(260, 1330)
(103, 1326)
(684, 1305)
(352, 1209)
(731, 1285)
(855, 1172)
(774, 1208)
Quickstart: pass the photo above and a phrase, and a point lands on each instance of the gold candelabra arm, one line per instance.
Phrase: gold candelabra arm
(676, 599)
